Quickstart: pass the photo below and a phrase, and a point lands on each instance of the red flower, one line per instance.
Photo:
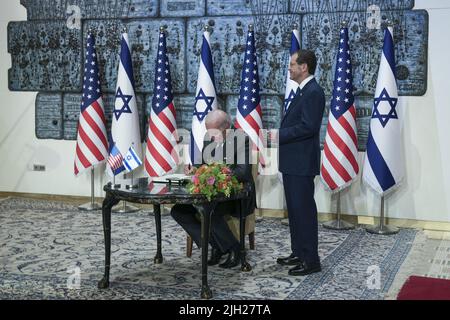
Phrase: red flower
(195, 180)
(211, 180)
(226, 170)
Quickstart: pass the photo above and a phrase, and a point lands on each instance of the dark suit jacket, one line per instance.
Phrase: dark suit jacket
(299, 145)
(243, 173)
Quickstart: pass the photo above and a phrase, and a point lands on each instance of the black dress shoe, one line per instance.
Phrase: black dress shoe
(289, 261)
(303, 269)
(216, 255)
(233, 260)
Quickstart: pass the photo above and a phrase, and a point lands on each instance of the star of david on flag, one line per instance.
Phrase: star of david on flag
(131, 160)
(205, 100)
(125, 128)
(384, 162)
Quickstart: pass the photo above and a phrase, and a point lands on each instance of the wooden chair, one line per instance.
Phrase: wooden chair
(233, 223)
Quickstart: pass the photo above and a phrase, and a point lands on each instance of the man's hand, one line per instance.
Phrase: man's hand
(189, 170)
(273, 136)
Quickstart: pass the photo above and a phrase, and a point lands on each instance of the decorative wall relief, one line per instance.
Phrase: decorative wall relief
(90, 9)
(410, 37)
(45, 56)
(143, 37)
(47, 51)
(228, 45)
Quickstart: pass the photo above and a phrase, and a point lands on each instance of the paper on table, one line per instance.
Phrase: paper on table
(174, 176)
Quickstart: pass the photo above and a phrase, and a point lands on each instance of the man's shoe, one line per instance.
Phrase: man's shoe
(216, 255)
(233, 260)
(303, 269)
(289, 261)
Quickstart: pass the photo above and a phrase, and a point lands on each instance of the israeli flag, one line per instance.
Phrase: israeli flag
(131, 160)
(384, 162)
(291, 85)
(125, 129)
(205, 100)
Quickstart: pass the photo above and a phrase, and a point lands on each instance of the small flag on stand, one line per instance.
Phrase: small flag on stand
(131, 160)
(115, 160)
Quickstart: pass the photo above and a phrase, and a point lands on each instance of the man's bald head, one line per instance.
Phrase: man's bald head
(217, 119)
(217, 122)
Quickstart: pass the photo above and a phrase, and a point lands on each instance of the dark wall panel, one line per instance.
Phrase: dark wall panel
(45, 55)
(47, 51)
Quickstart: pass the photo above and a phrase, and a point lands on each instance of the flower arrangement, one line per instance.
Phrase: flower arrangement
(212, 179)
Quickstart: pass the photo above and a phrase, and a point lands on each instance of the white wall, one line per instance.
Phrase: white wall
(19, 147)
(425, 194)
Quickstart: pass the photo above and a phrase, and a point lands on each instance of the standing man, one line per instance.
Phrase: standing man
(299, 152)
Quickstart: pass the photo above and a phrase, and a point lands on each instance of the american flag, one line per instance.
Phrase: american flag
(249, 114)
(160, 155)
(92, 145)
(115, 160)
(340, 165)
(158, 188)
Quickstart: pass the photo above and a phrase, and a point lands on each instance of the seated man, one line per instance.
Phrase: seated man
(222, 240)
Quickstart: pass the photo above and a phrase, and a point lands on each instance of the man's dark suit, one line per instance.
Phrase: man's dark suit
(221, 236)
(299, 162)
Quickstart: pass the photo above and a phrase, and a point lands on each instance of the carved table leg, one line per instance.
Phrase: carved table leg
(205, 212)
(245, 266)
(108, 203)
(157, 211)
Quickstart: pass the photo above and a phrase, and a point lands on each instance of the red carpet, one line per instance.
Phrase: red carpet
(422, 288)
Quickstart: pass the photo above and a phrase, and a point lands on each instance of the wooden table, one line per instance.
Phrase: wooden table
(173, 194)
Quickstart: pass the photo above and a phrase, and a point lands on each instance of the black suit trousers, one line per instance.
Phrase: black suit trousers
(221, 238)
(302, 214)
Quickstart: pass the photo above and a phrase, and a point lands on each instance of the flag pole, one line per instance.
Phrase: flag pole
(381, 228)
(132, 185)
(91, 206)
(295, 26)
(338, 224)
(126, 208)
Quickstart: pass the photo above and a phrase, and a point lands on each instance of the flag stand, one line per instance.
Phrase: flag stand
(382, 228)
(132, 185)
(338, 224)
(91, 206)
(125, 208)
(115, 185)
